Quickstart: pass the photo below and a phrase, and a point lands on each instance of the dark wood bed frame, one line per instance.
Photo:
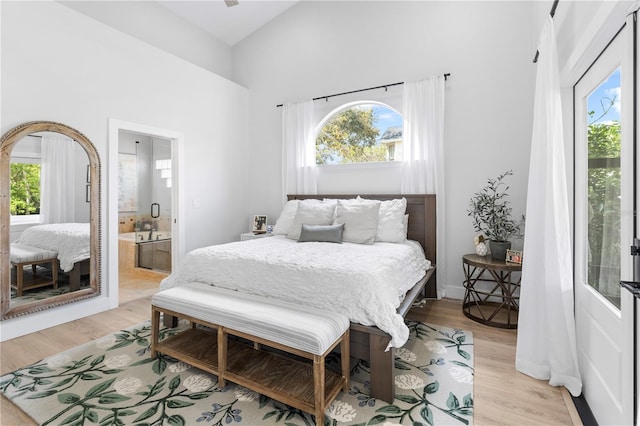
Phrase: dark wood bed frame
(367, 342)
(80, 268)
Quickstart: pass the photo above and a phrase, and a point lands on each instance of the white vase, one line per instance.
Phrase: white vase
(481, 249)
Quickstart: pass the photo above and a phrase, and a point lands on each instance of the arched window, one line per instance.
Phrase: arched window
(361, 132)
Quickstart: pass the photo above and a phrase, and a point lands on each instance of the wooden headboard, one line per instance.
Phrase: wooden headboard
(422, 218)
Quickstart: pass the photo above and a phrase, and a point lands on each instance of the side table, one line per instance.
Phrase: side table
(495, 303)
(251, 236)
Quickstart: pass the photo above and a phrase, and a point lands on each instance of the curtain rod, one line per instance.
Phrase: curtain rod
(384, 86)
(552, 13)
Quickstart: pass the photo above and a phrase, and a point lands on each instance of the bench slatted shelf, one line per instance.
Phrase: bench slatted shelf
(195, 346)
(301, 383)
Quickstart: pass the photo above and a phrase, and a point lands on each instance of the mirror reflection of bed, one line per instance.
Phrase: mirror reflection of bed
(50, 208)
(49, 218)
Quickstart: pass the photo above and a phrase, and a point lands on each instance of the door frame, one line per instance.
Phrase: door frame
(177, 188)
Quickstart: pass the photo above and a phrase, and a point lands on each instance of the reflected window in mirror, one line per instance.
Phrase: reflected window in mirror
(25, 166)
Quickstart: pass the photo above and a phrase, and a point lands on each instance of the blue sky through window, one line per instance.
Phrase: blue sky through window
(386, 118)
(599, 100)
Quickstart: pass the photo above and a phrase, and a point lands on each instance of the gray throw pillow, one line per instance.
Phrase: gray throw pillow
(321, 233)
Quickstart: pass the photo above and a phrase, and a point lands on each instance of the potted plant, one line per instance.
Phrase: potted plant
(491, 214)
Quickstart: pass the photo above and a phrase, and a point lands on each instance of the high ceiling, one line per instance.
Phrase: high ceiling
(229, 24)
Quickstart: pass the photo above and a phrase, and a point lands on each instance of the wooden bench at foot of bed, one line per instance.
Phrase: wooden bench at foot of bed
(22, 255)
(301, 331)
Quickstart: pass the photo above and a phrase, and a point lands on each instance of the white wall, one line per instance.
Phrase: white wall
(155, 24)
(320, 48)
(61, 66)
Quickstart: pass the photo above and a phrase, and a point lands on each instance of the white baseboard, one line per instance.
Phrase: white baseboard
(455, 292)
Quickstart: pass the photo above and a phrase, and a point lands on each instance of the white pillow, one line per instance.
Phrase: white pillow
(334, 201)
(360, 221)
(391, 226)
(287, 216)
(311, 214)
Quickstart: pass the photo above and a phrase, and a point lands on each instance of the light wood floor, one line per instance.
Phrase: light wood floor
(502, 396)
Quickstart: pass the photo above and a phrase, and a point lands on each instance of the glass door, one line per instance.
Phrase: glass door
(603, 225)
(153, 234)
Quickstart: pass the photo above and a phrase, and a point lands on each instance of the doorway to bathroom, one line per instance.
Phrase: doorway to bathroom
(144, 196)
(144, 202)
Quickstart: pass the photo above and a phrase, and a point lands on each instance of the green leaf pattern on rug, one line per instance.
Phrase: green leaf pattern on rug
(115, 382)
(419, 408)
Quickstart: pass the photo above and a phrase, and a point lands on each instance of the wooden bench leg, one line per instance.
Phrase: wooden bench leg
(222, 357)
(318, 384)
(345, 360)
(155, 330)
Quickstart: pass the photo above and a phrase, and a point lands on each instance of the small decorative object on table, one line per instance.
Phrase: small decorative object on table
(481, 246)
(491, 215)
(514, 256)
(259, 224)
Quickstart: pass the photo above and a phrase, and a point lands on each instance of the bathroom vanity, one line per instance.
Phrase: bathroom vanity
(155, 255)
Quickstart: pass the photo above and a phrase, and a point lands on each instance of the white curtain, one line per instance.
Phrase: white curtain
(299, 171)
(546, 347)
(57, 180)
(423, 153)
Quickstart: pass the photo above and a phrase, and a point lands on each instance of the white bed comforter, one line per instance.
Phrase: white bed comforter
(70, 240)
(366, 282)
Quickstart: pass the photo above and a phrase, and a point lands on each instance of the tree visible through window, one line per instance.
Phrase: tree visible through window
(25, 189)
(362, 133)
(604, 188)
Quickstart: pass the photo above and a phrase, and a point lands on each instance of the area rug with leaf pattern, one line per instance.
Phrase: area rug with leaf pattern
(113, 381)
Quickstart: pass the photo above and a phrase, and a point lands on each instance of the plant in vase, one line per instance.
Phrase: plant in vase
(481, 246)
(491, 215)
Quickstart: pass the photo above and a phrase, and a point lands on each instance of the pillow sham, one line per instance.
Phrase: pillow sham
(360, 221)
(391, 227)
(334, 201)
(310, 214)
(287, 216)
(321, 233)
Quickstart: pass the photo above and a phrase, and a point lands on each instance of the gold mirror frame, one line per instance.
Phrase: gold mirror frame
(9, 139)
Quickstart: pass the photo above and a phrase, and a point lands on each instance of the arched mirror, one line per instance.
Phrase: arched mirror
(49, 218)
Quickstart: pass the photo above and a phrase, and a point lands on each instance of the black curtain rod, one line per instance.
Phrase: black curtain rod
(552, 13)
(384, 86)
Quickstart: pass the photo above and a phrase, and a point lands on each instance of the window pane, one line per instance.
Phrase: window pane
(604, 188)
(25, 189)
(360, 134)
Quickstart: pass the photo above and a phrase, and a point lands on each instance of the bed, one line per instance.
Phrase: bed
(376, 287)
(70, 240)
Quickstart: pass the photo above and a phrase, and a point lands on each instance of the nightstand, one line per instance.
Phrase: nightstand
(497, 304)
(251, 236)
